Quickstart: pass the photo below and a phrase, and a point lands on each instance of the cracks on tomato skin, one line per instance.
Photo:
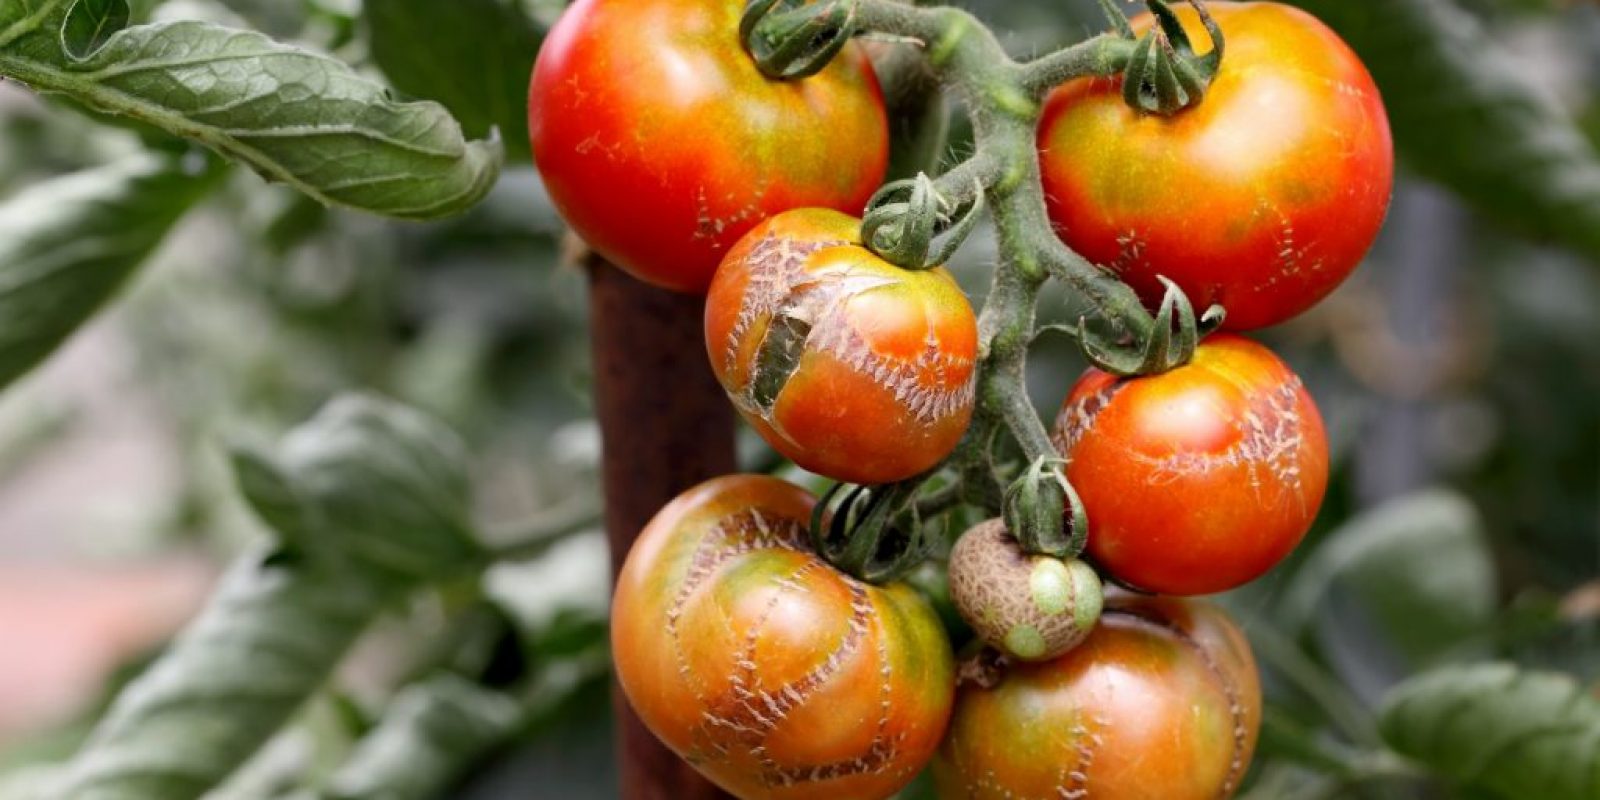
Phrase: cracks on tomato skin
(1073, 781)
(710, 227)
(810, 313)
(746, 715)
(1230, 690)
(1271, 442)
(1078, 418)
(734, 536)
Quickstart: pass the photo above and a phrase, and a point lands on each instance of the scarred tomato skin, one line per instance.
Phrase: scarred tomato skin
(1161, 701)
(852, 367)
(661, 143)
(1264, 197)
(1200, 479)
(771, 672)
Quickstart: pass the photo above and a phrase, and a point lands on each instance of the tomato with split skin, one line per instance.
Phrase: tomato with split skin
(661, 143)
(1264, 197)
(772, 673)
(1163, 700)
(852, 367)
(1200, 479)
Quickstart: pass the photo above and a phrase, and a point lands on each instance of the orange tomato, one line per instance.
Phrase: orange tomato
(772, 673)
(1263, 197)
(661, 143)
(852, 367)
(1200, 479)
(1162, 701)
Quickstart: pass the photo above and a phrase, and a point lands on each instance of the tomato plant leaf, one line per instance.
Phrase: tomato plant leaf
(68, 244)
(1497, 729)
(1418, 566)
(382, 489)
(429, 734)
(373, 483)
(91, 22)
(474, 56)
(292, 115)
(1464, 115)
(267, 639)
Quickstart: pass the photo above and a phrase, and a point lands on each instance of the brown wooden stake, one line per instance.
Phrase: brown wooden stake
(665, 426)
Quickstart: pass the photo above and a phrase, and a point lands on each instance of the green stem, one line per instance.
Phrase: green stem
(1003, 99)
(1106, 54)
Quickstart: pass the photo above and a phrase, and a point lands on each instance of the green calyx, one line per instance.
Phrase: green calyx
(1171, 342)
(905, 220)
(1165, 75)
(864, 531)
(789, 39)
(1044, 513)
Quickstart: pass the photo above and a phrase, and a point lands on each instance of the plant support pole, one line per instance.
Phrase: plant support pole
(665, 426)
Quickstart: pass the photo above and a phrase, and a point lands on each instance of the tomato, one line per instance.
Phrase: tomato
(661, 143)
(1162, 701)
(1263, 197)
(852, 367)
(772, 673)
(1200, 479)
(1032, 608)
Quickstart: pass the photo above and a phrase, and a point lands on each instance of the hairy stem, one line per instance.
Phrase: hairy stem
(1003, 98)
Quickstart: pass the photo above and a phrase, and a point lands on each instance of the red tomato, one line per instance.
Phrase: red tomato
(851, 366)
(1264, 197)
(772, 673)
(1162, 702)
(661, 143)
(1200, 479)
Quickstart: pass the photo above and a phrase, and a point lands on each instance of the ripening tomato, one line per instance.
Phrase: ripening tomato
(1162, 701)
(1200, 479)
(1263, 197)
(852, 367)
(661, 143)
(771, 672)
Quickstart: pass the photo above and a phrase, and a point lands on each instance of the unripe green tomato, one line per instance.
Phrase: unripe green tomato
(1032, 608)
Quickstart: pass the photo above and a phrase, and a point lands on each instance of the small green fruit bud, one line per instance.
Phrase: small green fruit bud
(1032, 608)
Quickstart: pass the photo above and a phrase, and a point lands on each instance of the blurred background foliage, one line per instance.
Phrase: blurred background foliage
(1458, 372)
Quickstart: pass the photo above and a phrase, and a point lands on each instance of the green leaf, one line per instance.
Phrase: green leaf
(1518, 735)
(1465, 116)
(377, 494)
(290, 114)
(68, 244)
(90, 23)
(266, 641)
(436, 730)
(428, 736)
(374, 483)
(474, 56)
(1419, 566)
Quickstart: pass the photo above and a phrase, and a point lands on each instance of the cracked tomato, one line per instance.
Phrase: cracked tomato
(771, 672)
(852, 367)
(1200, 479)
(661, 143)
(1264, 197)
(1161, 701)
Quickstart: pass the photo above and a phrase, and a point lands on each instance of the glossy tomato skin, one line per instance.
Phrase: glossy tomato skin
(1264, 197)
(1200, 479)
(1161, 701)
(852, 367)
(772, 673)
(661, 143)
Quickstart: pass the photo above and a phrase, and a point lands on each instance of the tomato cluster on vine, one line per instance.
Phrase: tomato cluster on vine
(1255, 178)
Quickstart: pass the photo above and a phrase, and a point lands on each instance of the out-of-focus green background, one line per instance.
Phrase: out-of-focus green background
(1459, 374)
